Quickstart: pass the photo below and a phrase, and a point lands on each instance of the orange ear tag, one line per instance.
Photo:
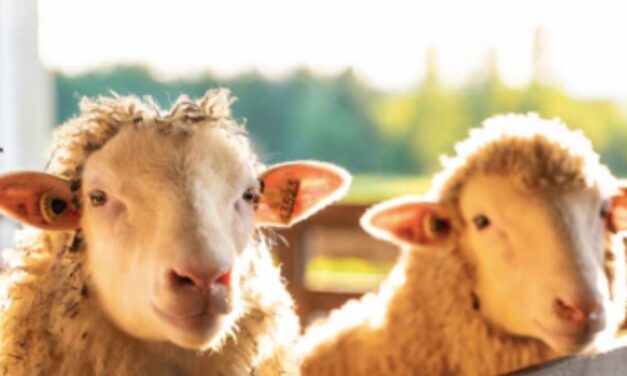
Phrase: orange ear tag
(434, 227)
(54, 209)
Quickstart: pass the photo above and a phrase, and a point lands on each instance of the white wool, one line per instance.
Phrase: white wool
(52, 321)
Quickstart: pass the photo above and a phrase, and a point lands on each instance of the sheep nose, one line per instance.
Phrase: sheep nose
(591, 315)
(201, 279)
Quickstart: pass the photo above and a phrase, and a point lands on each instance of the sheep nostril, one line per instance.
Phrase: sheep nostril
(202, 280)
(569, 312)
(579, 313)
(181, 278)
(224, 278)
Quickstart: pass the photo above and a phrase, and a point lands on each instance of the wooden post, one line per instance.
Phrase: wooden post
(26, 96)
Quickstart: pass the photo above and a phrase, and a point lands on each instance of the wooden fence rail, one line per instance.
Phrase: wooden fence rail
(334, 232)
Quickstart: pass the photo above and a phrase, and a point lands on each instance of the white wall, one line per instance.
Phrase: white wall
(26, 95)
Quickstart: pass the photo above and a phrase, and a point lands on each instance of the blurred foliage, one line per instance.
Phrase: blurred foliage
(369, 188)
(340, 119)
(347, 274)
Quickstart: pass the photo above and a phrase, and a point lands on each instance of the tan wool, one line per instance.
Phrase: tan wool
(50, 320)
(423, 319)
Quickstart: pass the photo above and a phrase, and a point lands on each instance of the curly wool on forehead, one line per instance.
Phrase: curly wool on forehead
(538, 154)
(102, 118)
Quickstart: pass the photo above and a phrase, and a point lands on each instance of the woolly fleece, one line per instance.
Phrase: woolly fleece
(421, 321)
(51, 322)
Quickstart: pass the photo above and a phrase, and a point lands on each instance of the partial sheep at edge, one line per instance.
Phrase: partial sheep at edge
(514, 257)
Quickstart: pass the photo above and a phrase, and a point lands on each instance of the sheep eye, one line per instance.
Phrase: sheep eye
(605, 209)
(98, 198)
(252, 196)
(481, 221)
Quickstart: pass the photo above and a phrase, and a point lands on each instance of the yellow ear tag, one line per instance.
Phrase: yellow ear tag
(433, 226)
(51, 207)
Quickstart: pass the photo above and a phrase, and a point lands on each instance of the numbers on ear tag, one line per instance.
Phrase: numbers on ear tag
(288, 200)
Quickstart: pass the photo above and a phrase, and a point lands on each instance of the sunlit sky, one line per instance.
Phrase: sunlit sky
(384, 41)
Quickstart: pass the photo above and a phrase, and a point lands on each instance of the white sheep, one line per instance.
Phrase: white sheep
(511, 259)
(158, 265)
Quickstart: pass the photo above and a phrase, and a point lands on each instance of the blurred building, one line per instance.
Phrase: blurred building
(26, 96)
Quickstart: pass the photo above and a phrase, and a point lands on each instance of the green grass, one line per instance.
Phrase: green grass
(350, 264)
(347, 274)
(369, 189)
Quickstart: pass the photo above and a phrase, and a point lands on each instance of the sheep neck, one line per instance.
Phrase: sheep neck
(421, 319)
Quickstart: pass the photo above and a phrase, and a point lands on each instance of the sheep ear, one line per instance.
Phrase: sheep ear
(37, 199)
(294, 191)
(617, 219)
(409, 221)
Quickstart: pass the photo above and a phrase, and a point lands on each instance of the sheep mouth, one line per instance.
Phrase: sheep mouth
(188, 322)
(569, 341)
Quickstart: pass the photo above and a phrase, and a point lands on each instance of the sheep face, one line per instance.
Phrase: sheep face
(165, 217)
(538, 258)
(535, 257)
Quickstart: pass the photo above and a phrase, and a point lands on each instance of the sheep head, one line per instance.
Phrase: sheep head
(532, 218)
(165, 215)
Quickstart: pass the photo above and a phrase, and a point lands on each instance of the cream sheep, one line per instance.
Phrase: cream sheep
(158, 265)
(511, 259)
